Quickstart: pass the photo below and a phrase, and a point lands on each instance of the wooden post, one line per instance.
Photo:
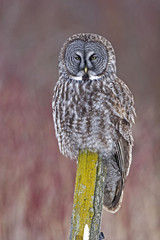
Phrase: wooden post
(88, 197)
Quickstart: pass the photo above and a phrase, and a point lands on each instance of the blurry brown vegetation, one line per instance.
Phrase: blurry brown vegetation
(36, 182)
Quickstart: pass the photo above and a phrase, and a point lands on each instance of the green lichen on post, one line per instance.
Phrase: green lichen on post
(88, 196)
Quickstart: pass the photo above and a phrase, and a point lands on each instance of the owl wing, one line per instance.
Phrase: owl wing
(122, 159)
(124, 118)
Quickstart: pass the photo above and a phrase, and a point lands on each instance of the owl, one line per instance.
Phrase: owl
(94, 110)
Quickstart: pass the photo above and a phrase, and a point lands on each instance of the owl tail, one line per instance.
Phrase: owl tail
(113, 199)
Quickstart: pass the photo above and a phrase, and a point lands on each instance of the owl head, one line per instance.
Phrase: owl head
(87, 56)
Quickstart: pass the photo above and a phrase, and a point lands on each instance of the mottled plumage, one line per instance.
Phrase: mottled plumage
(93, 109)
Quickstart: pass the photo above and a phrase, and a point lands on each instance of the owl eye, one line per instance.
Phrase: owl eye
(77, 57)
(93, 57)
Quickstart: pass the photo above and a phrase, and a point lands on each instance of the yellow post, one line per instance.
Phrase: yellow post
(88, 197)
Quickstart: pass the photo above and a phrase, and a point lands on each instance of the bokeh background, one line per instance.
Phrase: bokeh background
(36, 182)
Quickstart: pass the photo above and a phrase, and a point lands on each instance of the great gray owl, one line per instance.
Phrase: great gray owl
(94, 110)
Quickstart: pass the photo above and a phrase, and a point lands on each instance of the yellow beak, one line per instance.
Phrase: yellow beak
(85, 69)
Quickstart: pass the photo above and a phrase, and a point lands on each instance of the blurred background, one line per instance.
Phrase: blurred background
(36, 181)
